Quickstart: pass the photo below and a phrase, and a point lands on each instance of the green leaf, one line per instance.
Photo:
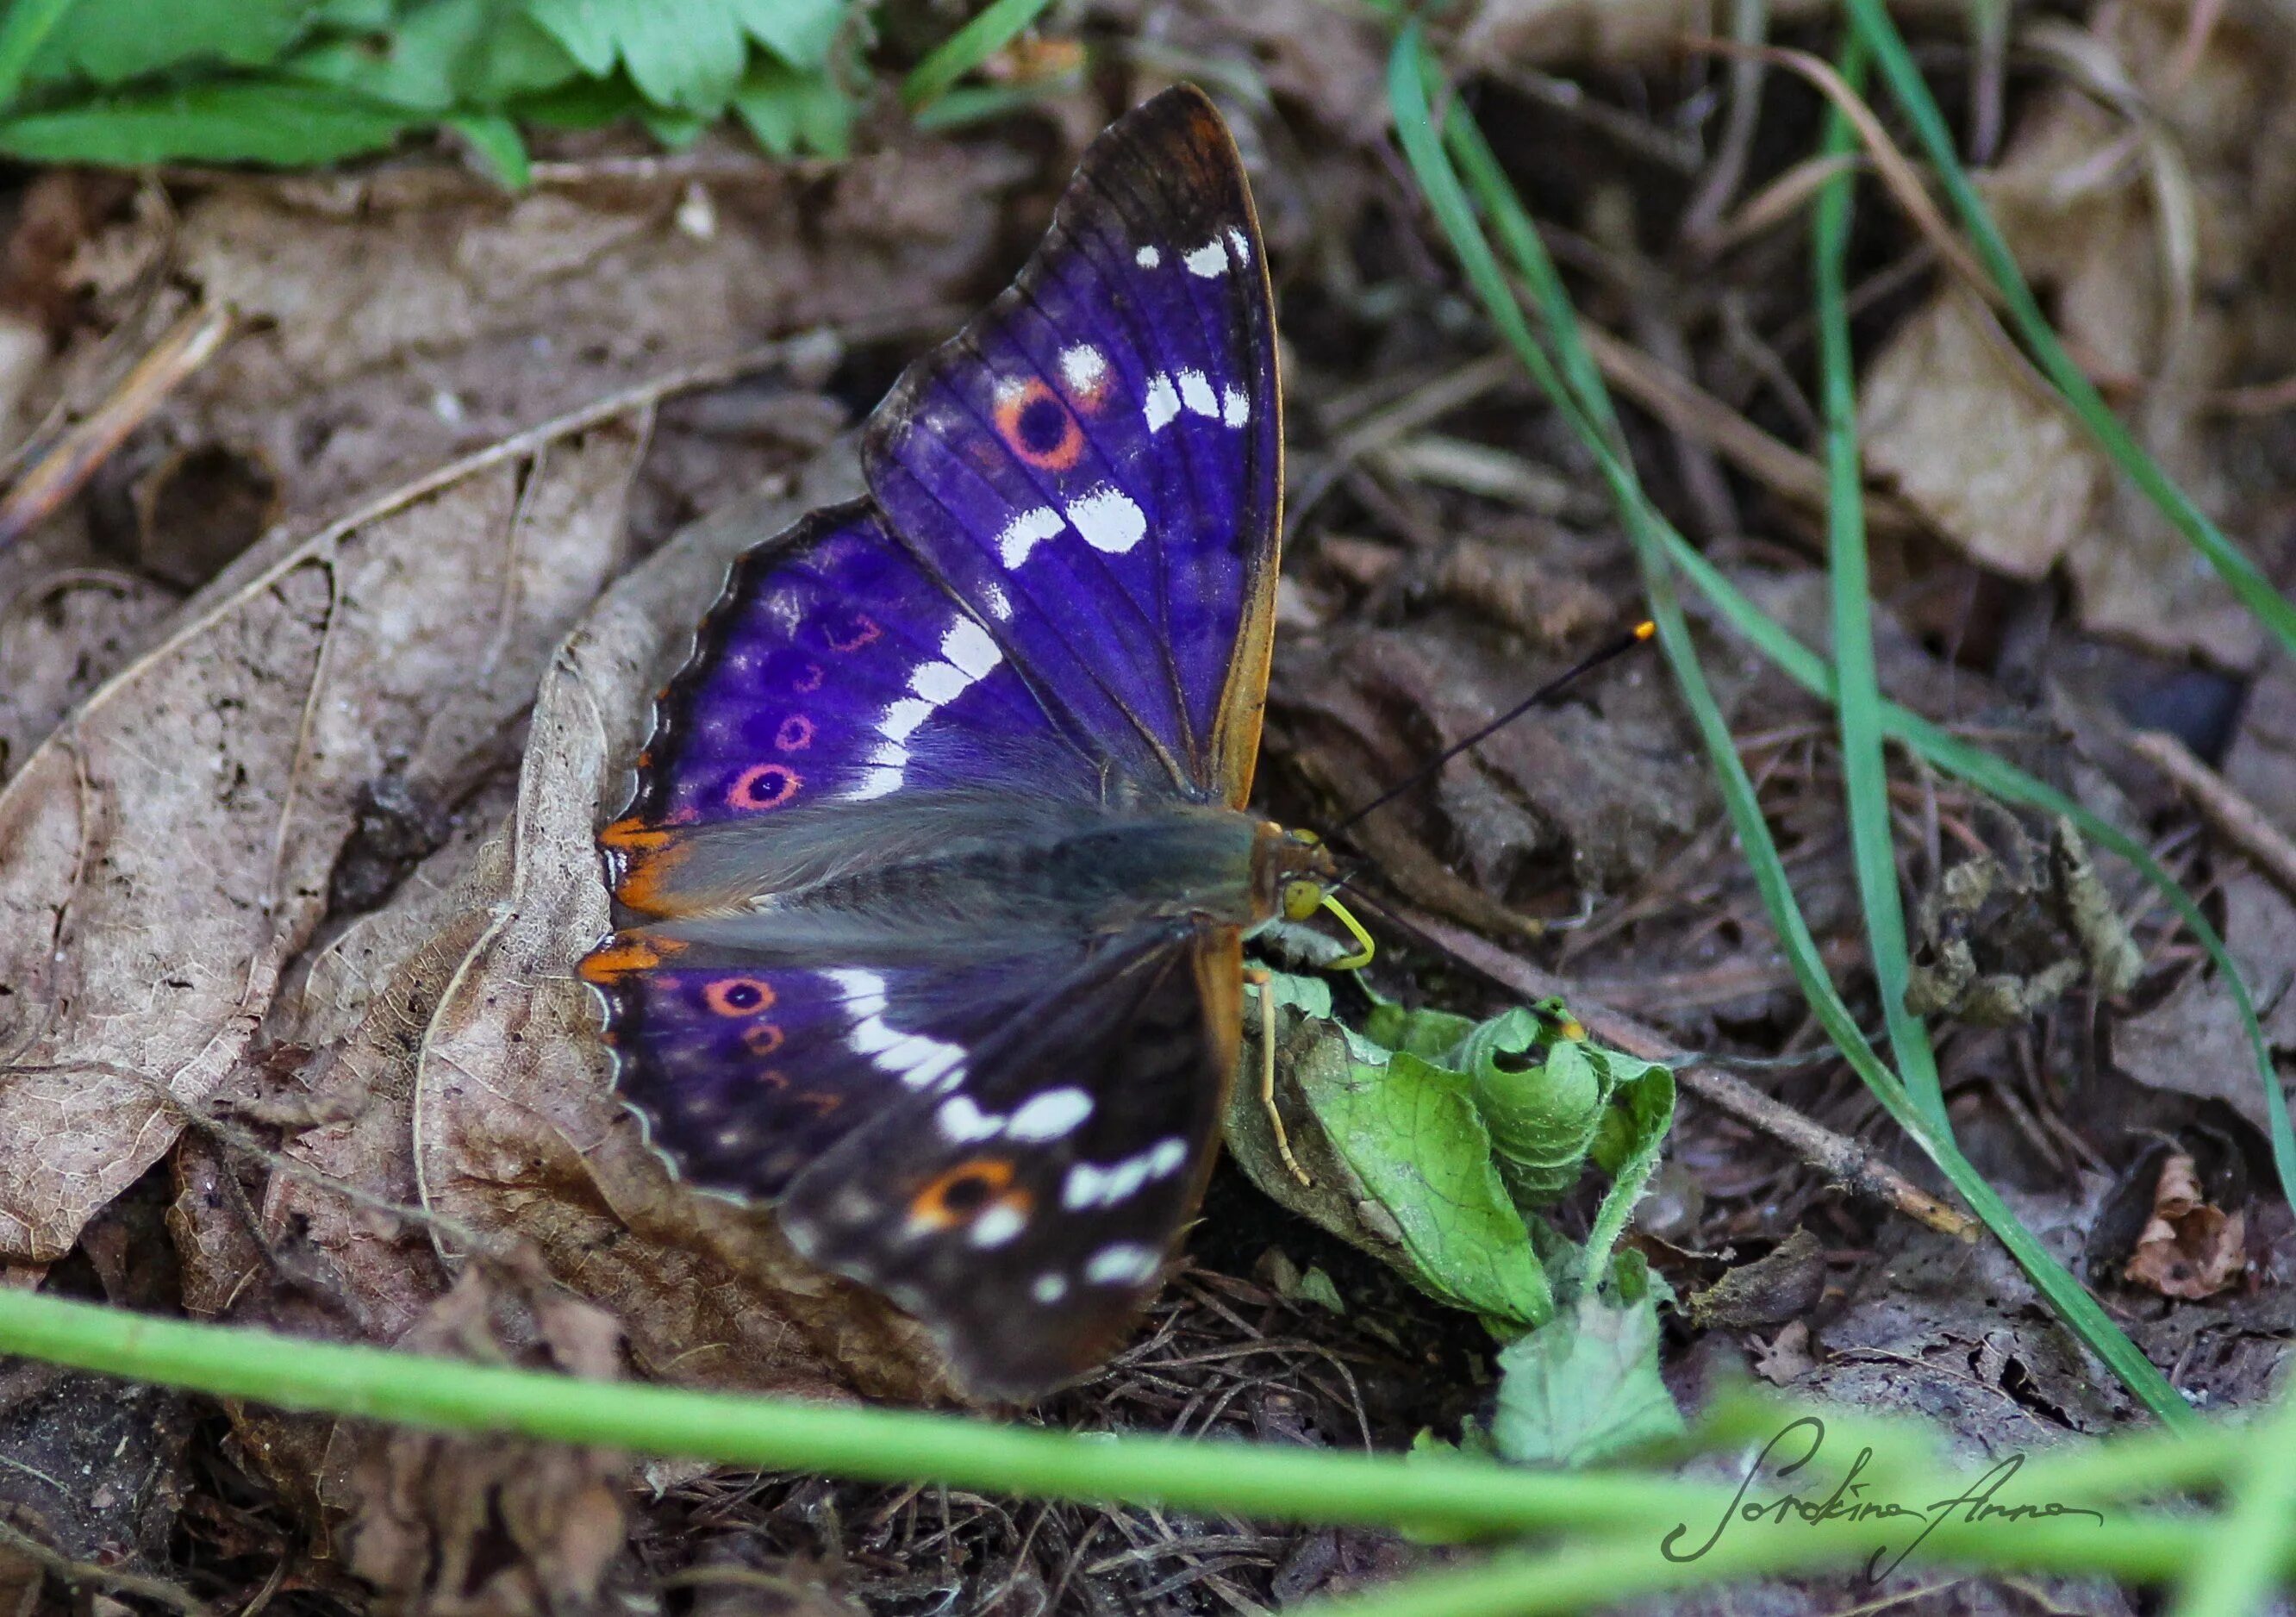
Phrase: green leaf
(688, 54)
(1411, 1132)
(244, 120)
(496, 142)
(1400, 1163)
(1584, 1387)
(474, 54)
(1541, 1098)
(789, 111)
(110, 41)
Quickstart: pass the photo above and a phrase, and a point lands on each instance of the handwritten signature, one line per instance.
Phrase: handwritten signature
(1847, 1501)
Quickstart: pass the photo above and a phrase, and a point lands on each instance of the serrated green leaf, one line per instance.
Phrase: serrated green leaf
(688, 54)
(789, 111)
(110, 41)
(469, 53)
(801, 32)
(242, 121)
(1584, 1387)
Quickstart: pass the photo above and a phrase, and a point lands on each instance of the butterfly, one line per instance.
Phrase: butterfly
(932, 891)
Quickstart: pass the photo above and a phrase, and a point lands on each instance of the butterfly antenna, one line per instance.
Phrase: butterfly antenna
(1617, 648)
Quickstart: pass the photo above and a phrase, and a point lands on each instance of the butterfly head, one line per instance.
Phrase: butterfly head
(1291, 871)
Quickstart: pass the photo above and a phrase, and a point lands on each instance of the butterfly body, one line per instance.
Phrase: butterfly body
(932, 885)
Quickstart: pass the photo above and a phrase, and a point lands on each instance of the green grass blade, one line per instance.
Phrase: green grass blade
(2235, 1574)
(2256, 592)
(1655, 541)
(1865, 778)
(1270, 1482)
(2004, 780)
(966, 49)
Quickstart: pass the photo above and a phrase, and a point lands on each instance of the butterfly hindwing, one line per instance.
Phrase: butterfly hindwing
(1026, 1210)
(1094, 463)
(747, 1068)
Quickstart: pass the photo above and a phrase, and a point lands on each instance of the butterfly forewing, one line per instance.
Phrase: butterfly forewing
(833, 669)
(1026, 1211)
(1094, 463)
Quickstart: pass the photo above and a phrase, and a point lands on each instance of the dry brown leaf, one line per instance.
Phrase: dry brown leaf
(492, 1527)
(1973, 439)
(2143, 210)
(2190, 1248)
(63, 631)
(2193, 1042)
(166, 852)
(516, 1130)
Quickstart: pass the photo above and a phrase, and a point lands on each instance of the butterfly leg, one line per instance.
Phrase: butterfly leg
(1260, 979)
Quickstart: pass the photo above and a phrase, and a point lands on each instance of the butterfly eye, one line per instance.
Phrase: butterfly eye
(1301, 898)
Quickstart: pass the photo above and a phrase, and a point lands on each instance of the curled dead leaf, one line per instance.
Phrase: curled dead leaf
(2189, 1248)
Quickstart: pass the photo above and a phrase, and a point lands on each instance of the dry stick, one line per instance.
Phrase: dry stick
(1689, 410)
(1839, 1157)
(60, 473)
(2239, 821)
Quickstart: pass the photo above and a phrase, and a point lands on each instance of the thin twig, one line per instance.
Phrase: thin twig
(2234, 817)
(62, 472)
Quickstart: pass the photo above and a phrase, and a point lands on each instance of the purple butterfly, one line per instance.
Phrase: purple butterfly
(934, 880)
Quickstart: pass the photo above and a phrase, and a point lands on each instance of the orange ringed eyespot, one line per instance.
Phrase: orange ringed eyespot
(738, 996)
(958, 1194)
(764, 786)
(795, 735)
(1037, 427)
(764, 1038)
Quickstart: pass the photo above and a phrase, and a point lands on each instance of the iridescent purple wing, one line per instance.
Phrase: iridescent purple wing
(746, 1070)
(1094, 463)
(1009, 1150)
(1026, 1210)
(834, 669)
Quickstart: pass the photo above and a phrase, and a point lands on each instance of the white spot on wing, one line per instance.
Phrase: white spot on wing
(1238, 248)
(1082, 367)
(881, 782)
(1049, 1288)
(1196, 393)
(1109, 519)
(1050, 1114)
(914, 1059)
(967, 646)
(1235, 406)
(1092, 1184)
(900, 721)
(998, 1225)
(1147, 258)
(938, 683)
(1208, 260)
(1163, 403)
(999, 608)
(959, 1119)
(1024, 533)
(1120, 1263)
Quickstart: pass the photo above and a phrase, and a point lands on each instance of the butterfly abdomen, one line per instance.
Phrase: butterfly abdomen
(892, 877)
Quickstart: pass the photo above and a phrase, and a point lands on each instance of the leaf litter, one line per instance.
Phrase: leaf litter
(254, 759)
